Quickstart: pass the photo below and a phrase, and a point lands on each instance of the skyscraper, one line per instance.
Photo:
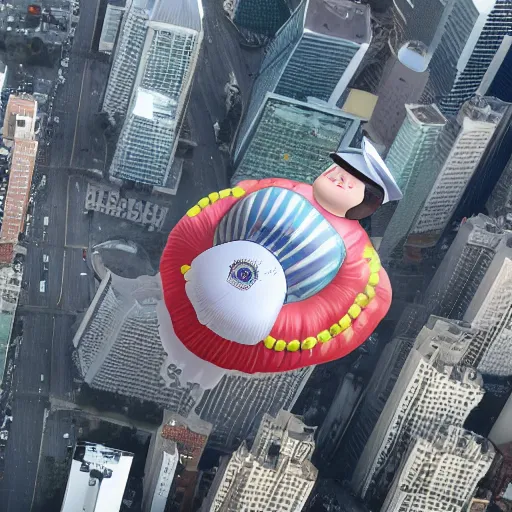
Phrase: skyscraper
(292, 139)
(314, 55)
(350, 445)
(473, 129)
(149, 85)
(457, 279)
(237, 404)
(492, 170)
(403, 80)
(118, 349)
(172, 463)
(330, 434)
(112, 20)
(490, 312)
(472, 34)
(500, 201)
(418, 21)
(431, 391)
(127, 54)
(264, 17)
(411, 160)
(501, 84)
(440, 472)
(275, 474)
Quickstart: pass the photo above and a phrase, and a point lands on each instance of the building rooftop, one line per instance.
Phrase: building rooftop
(427, 114)
(339, 18)
(182, 13)
(293, 139)
(24, 106)
(97, 479)
(18, 192)
(360, 103)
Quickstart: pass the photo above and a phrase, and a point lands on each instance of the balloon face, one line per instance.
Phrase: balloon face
(337, 191)
(212, 288)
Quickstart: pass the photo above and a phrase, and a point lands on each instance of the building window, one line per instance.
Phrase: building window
(20, 123)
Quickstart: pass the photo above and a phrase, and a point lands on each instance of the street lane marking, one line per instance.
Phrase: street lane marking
(78, 114)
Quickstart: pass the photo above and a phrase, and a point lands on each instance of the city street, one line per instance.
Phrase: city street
(44, 363)
(43, 366)
(54, 251)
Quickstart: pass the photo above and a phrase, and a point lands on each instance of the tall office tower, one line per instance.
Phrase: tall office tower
(500, 200)
(419, 21)
(114, 13)
(172, 463)
(350, 444)
(411, 160)
(479, 240)
(237, 404)
(159, 80)
(314, 55)
(125, 64)
(118, 347)
(490, 312)
(292, 139)
(413, 318)
(473, 129)
(491, 171)
(501, 84)
(432, 390)
(472, 35)
(440, 472)
(330, 434)
(161, 464)
(275, 474)
(263, 17)
(404, 78)
(378, 390)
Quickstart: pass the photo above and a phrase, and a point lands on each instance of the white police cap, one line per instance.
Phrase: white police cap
(367, 162)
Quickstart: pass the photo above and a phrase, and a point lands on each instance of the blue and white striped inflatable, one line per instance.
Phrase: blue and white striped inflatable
(285, 223)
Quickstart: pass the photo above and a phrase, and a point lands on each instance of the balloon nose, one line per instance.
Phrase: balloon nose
(237, 290)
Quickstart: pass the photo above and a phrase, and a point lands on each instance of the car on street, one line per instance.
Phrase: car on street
(84, 254)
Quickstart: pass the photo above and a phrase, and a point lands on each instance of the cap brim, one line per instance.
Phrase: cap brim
(338, 160)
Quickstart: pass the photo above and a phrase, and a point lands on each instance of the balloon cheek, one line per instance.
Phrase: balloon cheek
(237, 290)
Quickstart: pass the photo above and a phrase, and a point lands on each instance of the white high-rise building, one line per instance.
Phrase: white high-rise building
(440, 472)
(475, 125)
(149, 87)
(490, 312)
(403, 80)
(410, 160)
(274, 475)
(431, 391)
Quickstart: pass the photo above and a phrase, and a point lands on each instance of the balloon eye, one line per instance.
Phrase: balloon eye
(242, 274)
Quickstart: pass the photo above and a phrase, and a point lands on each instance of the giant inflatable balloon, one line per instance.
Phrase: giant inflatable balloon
(274, 275)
